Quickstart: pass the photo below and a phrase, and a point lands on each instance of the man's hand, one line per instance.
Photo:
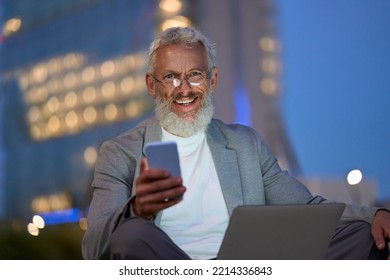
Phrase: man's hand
(380, 229)
(155, 190)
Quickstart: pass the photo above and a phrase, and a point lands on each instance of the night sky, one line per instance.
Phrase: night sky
(336, 86)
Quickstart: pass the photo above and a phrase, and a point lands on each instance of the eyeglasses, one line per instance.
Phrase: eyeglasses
(194, 78)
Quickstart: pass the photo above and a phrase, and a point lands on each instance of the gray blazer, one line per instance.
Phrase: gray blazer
(248, 173)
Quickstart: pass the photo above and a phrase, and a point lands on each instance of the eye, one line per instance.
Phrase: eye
(195, 73)
(169, 77)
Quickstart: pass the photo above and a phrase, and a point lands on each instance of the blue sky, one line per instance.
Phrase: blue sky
(336, 86)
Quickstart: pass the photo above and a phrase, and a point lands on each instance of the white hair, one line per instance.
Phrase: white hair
(181, 35)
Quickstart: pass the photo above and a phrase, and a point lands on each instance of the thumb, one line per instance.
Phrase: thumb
(377, 234)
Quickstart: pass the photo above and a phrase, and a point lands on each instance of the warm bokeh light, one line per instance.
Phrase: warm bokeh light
(64, 95)
(54, 85)
(89, 94)
(70, 80)
(132, 109)
(354, 177)
(129, 62)
(270, 65)
(88, 74)
(268, 86)
(90, 114)
(108, 68)
(38, 221)
(71, 119)
(70, 99)
(53, 104)
(11, 26)
(110, 112)
(127, 85)
(39, 73)
(177, 21)
(268, 44)
(32, 229)
(40, 204)
(90, 155)
(72, 60)
(108, 90)
(83, 223)
(54, 124)
(33, 114)
(171, 6)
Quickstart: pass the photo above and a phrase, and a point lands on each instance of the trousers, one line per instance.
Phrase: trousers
(138, 239)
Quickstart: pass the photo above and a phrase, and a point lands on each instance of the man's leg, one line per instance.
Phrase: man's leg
(353, 241)
(138, 239)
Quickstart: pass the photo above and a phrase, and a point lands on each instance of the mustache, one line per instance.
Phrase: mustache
(178, 96)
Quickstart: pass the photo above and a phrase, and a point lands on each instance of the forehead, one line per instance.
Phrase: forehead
(181, 57)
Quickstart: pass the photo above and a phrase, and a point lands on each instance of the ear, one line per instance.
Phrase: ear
(214, 79)
(150, 85)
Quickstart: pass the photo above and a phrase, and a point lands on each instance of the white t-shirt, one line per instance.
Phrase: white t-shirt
(198, 223)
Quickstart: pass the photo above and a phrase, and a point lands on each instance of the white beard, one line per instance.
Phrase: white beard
(184, 126)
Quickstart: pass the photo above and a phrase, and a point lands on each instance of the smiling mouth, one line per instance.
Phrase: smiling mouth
(185, 102)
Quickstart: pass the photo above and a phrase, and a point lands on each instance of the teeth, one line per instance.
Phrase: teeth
(184, 102)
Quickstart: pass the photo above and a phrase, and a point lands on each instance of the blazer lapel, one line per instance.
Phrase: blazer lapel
(225, 160)
(152, 132)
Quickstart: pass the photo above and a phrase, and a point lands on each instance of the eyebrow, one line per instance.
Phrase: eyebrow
(175, 72)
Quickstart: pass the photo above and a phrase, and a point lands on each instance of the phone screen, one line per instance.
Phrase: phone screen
(164, 155)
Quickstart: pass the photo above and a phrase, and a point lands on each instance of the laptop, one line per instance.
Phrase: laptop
(280, 232)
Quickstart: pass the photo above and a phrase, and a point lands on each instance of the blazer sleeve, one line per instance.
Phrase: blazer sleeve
(114, 174)
(281, 188)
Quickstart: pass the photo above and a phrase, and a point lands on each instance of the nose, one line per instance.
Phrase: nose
(184, 86)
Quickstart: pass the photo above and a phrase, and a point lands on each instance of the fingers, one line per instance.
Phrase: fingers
(160, 191)
(147, 204)
(378, 238)
(380, 229)
(155, 180)
(155, 190)
(152, 206)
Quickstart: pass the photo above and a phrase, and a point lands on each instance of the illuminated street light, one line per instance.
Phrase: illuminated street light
(354, 177)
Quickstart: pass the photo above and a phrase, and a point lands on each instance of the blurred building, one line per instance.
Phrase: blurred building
(72, 76)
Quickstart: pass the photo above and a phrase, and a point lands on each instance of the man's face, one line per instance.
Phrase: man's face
(181, 61)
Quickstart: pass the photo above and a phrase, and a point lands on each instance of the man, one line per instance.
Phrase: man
(142, 213)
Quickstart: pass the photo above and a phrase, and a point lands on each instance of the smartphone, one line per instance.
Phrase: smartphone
(164, 155)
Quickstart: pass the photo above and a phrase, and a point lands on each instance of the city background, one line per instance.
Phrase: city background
(309, 75)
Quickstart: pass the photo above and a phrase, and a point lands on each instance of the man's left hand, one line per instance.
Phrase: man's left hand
(380, 229)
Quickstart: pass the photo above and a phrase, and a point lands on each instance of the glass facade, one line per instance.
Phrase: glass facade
(72, 76)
